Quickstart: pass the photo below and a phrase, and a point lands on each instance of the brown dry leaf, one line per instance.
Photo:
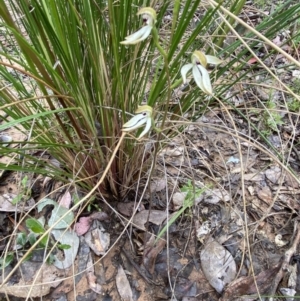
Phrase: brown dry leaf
(155, 216)
(246, 285)
(128, 208)
(254, 177)
(273, 174)
(173, 155)
(265, 194)
(158, 185)
(123, 285)
(45, 277)
(98, 239)
(257, 204)
(291, 181)
(178, 199)
(92, 280)
(214, 196)
(217, 264)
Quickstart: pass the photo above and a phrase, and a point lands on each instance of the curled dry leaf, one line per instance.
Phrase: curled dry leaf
(203, 230)
(217, 264)
(289, 293)
(129, 208)
(279, 241)
(151, 252)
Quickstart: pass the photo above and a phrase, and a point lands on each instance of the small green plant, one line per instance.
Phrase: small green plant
(57, 225)
(24, 193)
(272, 119)
(37, 228)
(192, 193)
(294, 103)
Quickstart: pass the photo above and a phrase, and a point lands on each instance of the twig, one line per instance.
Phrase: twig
(286, 260)
(138, 269)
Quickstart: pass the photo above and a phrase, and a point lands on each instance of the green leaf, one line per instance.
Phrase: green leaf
(44, 241)
(5, 261)
(16, 199)
(21, 239)
(63, 246)
(34, 225)
(31, 238)
(24, 181)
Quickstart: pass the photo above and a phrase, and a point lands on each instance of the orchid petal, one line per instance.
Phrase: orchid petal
(146, 34)
(205, 80)
(199, 57)
(184, 70)
(198, 77)
(146, 129)
(138, 36)
(202, 79)
(135, 122)
(213, 60)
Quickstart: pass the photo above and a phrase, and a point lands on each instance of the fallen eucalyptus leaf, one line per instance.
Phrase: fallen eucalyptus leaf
(66, 238)
(123, 285)
(56, 214)
(217, 264)
(155, 216)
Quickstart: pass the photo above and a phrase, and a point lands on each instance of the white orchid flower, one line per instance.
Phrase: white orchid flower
(200, 74)
(143, 117)
(149, 18)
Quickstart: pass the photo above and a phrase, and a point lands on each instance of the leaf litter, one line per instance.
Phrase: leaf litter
(208, 267)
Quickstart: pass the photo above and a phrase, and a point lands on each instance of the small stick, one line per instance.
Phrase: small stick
(286, 260)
